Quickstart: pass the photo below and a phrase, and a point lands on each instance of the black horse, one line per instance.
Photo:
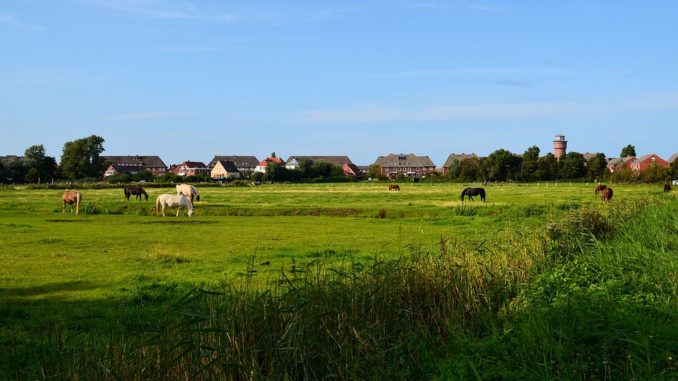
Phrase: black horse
(470, 192)
(135, 190)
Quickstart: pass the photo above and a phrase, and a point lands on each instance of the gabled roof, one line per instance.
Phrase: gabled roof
(136, 160)
(672, 158)
(239, 161)
(589, 155)
(193, 164)
(646, 157)
(354, 168)
(228, 165)
(336, 160)
(410, 160)
(458, 157)
(267, 160)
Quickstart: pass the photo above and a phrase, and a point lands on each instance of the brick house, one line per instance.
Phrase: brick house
(409, 165)
(261, 167)
(133, 164)
(643, 162)
(190, 168)
(616, 163)
(351, 170)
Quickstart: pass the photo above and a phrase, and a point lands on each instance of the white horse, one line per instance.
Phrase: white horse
(188, 191)
(172, 201)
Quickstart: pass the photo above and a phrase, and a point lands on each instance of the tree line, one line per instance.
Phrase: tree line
(81, 160)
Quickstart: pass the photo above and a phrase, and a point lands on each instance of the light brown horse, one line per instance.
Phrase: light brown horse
(600, 188)
(394, 187)
(606, 194)
(189, 191)
(71, 198)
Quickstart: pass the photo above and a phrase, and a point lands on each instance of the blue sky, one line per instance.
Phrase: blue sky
(186, 80)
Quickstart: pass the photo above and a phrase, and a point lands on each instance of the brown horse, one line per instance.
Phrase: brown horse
(606, 194)
(135, 190)
(600, 188)
(394, 187)
(71, 198)
(667, 187)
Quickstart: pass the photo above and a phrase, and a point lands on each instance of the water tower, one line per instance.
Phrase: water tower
(559, 146)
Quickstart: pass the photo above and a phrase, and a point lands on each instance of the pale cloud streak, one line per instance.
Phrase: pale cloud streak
(488, 8)
(151, 115)
(11, 21)
(488, 112)
(161, 9)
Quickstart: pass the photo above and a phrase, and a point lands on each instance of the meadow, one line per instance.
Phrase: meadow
(114, 273)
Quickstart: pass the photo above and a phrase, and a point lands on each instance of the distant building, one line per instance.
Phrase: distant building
(225, 169)
(261, 167)
(672, 158)
(294, 161)
(559, 146)
(190, 168)
(617, 163)
(644, 162)
(244, 164)
(409, 165)
(133, 164)
(456, 158)
(351, 170)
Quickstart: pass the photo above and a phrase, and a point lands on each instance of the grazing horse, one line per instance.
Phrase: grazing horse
(470, 192)
(667, 187)
(172, 201)
(135, 190)
(600, 188)
(71, 198)
(394, 187)
(188, 191)
(606, 194)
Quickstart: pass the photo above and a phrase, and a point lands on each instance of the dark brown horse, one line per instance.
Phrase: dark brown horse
(71, 198)
(600, 188)
(470, 192)
(394, 187)
(606, 194)
(667, 187)
(135, 190)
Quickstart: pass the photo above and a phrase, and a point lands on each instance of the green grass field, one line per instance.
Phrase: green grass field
(96, 261)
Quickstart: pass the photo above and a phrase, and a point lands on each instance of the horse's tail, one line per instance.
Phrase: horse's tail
(197, 194)
(157, 204)
(78, 197)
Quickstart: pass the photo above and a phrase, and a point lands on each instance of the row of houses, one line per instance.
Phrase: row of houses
(392, 165)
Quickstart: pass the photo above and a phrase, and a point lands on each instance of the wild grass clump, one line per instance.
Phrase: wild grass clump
(607, 312)
(379, 320)
(464, 210)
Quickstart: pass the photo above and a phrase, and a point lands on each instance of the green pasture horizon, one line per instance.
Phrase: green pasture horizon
(267, 230)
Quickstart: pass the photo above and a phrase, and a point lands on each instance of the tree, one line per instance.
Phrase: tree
(374, 171)
(469, 169)
(501, 165)
(40, 165)
(529, 166)
(596, 167)
(572, 166)
(80, 158)
(547, 168)
(629, 150)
